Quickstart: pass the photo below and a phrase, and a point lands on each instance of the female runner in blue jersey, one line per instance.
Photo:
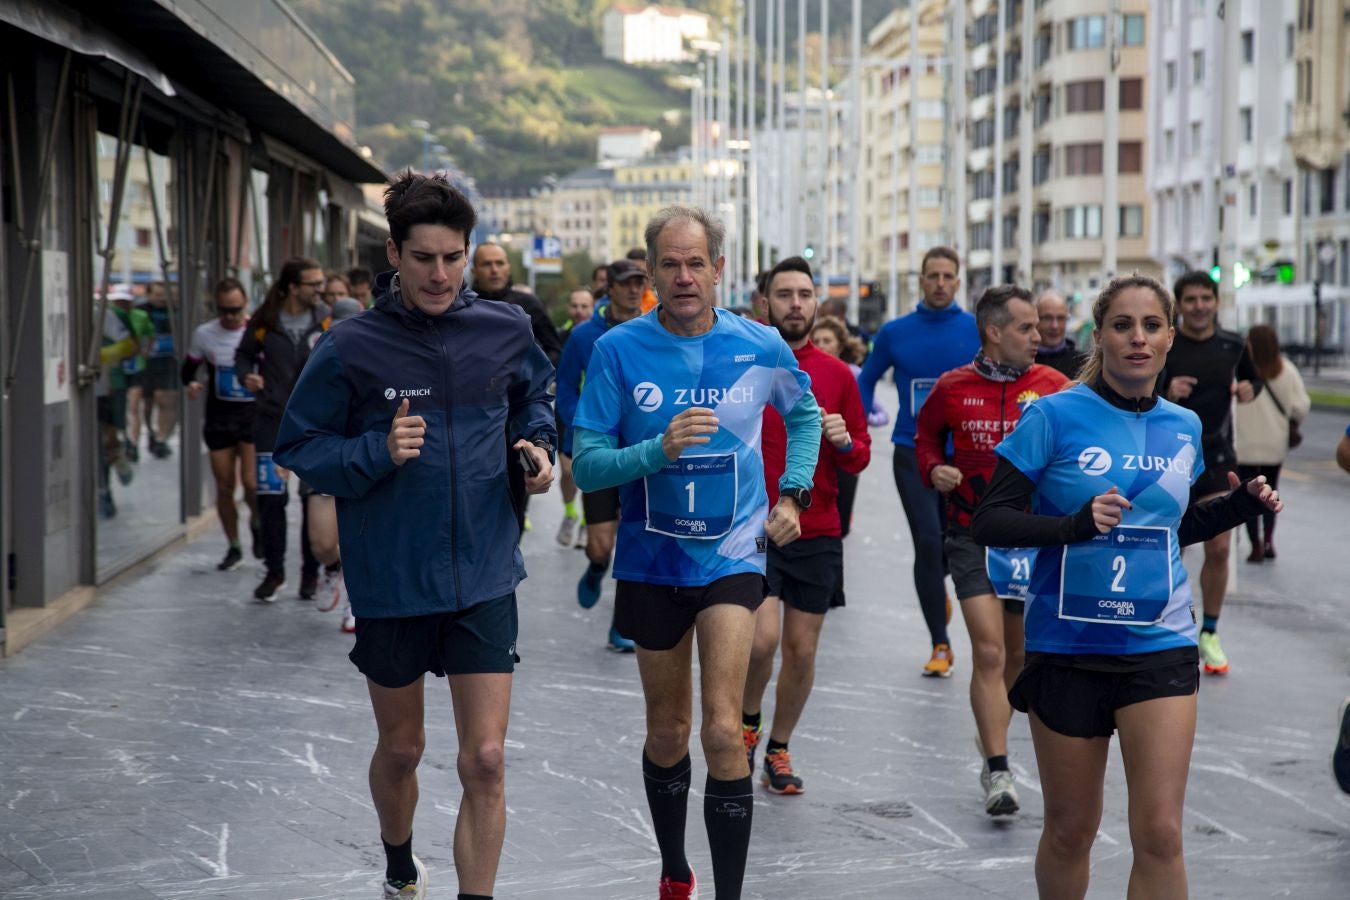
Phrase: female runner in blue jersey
(1100, 475)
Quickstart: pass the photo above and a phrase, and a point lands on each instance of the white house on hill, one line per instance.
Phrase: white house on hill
(651, 34)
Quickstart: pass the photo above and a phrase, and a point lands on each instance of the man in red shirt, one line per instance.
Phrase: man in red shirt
(978, 405)
(805, 574)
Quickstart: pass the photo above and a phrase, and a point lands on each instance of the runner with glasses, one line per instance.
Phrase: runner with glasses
(228, 429)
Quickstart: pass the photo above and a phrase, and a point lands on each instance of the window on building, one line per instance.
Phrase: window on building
(1045, 47)
(1010, 232)
(1251, 200)
(1197, 67)
(1289, 42)
(1084, 96)
(1040, 166)
(1132, 30)
(930, 197)
(1245, 124)
(1288, 192)
(1131, 221)
(1248, 48)
(984, 29)
(1010, 172)
(1170, 75)
(1193, 148)
(1012, 66)
(1131, 93)
(142, 237)
(1083, 159)
(982, 185)
(1041, 109)
(930, 109)
(929, 153)
(981, 235)
(1082, 222)
(1326, 190)
(1130, 157)
(984, 81)
(1040, 226)
(1169, 144)
(1012, 117)
(1085, 32)
(982, 133)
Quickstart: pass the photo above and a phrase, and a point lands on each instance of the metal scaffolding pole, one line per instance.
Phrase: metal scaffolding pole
(1000, 52)
(826, 120)
(912, 278)
(855, 161)
(753, 135)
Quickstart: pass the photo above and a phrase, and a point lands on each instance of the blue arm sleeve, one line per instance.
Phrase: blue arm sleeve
(803, 443)
(569, 381)
(599, 463)
(531, 413)
(312, 440)
(875, 366)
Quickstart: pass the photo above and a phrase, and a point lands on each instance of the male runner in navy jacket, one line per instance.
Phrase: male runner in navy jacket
(400, 414)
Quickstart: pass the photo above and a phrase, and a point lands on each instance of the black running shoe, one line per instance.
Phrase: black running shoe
(778, 775)
(309, 585)
(271, 583)
(232, 558)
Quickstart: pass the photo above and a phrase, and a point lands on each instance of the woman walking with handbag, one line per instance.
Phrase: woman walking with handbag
(1267, 428)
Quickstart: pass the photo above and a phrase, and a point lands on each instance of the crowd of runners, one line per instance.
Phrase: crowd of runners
(716, 457)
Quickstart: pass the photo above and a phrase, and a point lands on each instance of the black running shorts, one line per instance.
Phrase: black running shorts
(657, 616)
(1082, 702)
(600, 506)
(161, 374)
(394, 653)
(806, 574)
(224, 432)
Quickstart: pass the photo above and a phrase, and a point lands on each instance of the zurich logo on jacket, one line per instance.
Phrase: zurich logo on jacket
(438, 533)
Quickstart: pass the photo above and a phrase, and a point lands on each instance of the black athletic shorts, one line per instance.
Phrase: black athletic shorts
(806, 573)
(396, 652)
(658, 616)
(600, 506)
(1082, 702)
(112, 409)
(161, 374)
(970, 572)
(224, 432)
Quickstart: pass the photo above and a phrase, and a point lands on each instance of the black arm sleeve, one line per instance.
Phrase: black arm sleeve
(1246, 371)
(1203, 521)
(188, 373)
(1002, 520)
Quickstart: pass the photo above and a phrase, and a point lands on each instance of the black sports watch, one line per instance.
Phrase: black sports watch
(800, 496)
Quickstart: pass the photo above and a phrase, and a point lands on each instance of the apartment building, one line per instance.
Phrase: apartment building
(577, 210)
(640, 188)
(1045, 101)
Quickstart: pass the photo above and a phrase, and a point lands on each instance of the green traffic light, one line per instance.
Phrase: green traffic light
(1285, 273)
(809, 252)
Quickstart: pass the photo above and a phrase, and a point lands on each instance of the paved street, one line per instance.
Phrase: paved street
(179, 740)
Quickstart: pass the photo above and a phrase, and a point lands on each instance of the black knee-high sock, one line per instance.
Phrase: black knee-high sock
(727, 809)
(668, 800)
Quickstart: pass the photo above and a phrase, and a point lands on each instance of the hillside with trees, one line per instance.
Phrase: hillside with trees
(513, 89)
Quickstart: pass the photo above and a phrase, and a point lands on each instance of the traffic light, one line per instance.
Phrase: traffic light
(1241, 275)
(809, 252)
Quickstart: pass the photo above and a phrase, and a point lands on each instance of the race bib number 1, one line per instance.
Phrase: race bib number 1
(693, 497)
(1009, 570)
(1123, 577)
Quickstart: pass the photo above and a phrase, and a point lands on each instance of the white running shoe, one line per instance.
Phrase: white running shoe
(1000, 795)
(330, 593)
(417, 891)
(567, 530)
(348, 620)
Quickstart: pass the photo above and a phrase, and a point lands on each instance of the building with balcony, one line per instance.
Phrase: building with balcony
(638, 35)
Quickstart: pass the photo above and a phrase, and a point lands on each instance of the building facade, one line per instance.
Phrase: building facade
(641, 188)
(638, 35)
(145, 143)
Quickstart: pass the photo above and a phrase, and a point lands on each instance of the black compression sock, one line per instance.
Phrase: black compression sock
(998, 763)
(727, 811)
(752, 720)
(598, 569)
(398, 867)
(668, 801)
(773, 745)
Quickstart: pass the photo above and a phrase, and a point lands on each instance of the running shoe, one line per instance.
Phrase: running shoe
(751, 736)
(107, 509)
(567, 531)
(348, 620)
(415, 891)
(309, 584)
(1000, 795)
(588, 589)
(124, 471)
(232, 558)
(1340, 757)
(580, 542)
(1268, 550)
(161, 450)
(1212, 655)
(940, 666)
(328, 596)
(271, 583)
(257, 541)
(678, 890)
(778, 775)
(131, 451)
(620, 644)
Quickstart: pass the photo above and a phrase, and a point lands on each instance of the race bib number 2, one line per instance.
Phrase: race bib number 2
(1123, 577)
(693, 497)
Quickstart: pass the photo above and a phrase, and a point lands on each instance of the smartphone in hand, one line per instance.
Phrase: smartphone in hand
(528, 462)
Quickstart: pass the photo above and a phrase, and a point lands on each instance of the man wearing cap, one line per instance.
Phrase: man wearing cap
(627, 284)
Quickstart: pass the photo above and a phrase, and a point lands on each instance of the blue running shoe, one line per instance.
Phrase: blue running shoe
(620, 644)
(588, 589)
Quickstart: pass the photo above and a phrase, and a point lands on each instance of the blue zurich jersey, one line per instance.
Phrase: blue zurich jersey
(701, 517)
(1124, 592)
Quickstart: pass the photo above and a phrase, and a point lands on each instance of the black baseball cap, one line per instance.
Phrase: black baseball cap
(623, 269)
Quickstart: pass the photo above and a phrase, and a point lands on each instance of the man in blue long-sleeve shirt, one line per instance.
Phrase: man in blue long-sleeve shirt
(935, 337)
(671, 413)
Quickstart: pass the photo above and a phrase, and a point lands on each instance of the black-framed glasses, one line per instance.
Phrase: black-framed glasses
(231, 310)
